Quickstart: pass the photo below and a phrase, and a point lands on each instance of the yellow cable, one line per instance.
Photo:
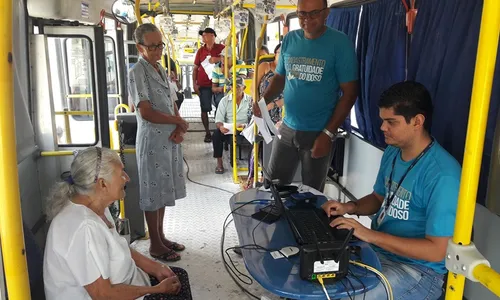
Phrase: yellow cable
(320, 279)
(377, 272)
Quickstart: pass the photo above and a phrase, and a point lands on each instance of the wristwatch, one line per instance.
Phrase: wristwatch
(328, 133)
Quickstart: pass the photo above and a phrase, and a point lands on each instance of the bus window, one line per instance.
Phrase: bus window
(273, 35)
(294, 23)
(72, 78)
(111, 75)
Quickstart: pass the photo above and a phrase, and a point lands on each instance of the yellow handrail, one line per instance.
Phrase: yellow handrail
(121, 105)
(114, 131)
(222, 12)
(69, 96)
(69, 153)
(488, 277)
(478, 116)
(74, 113)
(11, 221)
(243, 67)
(138, 12)
(256, 98)
(249, 5)
(244, 43)
(174, 57)
(233, 90)
(191, 12)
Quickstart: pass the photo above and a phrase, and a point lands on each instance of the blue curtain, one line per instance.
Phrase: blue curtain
(442, 57)
(382, 57)
(345, 20)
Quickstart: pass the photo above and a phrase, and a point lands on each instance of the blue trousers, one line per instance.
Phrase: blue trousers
(408, 282)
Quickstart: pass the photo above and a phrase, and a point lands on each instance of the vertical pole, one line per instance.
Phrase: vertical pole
(478, 117)
(233, 90)
(11, 222)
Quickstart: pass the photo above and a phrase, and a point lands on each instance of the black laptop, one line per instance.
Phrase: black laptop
(309, 225)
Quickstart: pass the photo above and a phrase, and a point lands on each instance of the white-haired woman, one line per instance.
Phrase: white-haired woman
(159, 134)
(85, 257)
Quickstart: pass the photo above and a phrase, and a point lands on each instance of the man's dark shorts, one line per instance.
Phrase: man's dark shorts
(205, 99)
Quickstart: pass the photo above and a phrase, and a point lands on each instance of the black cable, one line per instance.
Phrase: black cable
(202, 184)
(231, 270)
(352, 286)
(226, 265)
(247, 247)
(360, 281)
(377, 276)
(253, 230)
(346, 289)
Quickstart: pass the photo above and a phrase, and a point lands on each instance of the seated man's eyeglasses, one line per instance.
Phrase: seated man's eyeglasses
(154, 47)
(310, 14)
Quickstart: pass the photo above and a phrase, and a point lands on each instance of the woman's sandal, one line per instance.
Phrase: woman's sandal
(219, 170)
(170, 255)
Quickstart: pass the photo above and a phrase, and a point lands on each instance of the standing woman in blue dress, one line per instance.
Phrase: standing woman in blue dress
(160, 132)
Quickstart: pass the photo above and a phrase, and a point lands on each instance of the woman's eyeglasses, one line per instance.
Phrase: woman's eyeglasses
(154, 47)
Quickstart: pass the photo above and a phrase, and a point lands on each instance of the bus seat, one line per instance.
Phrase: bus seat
(241, 142)
(127, 123)
(248, 87)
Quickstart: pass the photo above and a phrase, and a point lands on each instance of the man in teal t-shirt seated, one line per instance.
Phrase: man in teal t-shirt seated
(316, 65)
(414, 200)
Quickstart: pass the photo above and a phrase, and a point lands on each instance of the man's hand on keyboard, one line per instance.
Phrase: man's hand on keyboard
(360, 231)
(335, 208)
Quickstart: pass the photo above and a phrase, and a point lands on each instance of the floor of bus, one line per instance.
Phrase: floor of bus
(196, 221)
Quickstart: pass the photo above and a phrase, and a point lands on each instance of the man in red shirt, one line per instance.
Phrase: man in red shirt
(201, 82)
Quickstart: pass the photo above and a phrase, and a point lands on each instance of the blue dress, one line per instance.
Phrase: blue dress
(159, 160)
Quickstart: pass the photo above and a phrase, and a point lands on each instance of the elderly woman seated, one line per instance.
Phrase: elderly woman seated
(85, 257)
(224, 119)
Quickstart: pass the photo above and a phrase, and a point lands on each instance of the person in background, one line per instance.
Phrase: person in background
(414, 199)
(225, 116)
(160, 131)
(201, 82)
(85, 257)
(174, 77)
(317, 72)
(266, 72)
(219, 75)
(263, 51)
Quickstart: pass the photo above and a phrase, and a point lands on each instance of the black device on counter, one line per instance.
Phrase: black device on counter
(272, 212)
(328, 259)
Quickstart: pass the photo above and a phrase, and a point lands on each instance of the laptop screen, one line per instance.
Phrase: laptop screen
(274, 191)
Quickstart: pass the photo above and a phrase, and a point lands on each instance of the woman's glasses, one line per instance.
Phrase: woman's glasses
(154, 47)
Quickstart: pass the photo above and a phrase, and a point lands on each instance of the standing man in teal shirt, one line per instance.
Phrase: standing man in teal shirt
(316, 65)
(414, 199)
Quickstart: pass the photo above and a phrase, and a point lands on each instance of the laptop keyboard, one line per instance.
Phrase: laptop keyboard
(309, 224)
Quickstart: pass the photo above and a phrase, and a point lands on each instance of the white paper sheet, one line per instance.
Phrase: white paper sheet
(249, 132)
(263, 129)
(267, 118)
(208, 67)
(229, 127)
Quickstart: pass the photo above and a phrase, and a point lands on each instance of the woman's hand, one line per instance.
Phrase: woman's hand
(170, 285)
(177, 135)
(162, 272)
(176, 138)
(180, 122)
